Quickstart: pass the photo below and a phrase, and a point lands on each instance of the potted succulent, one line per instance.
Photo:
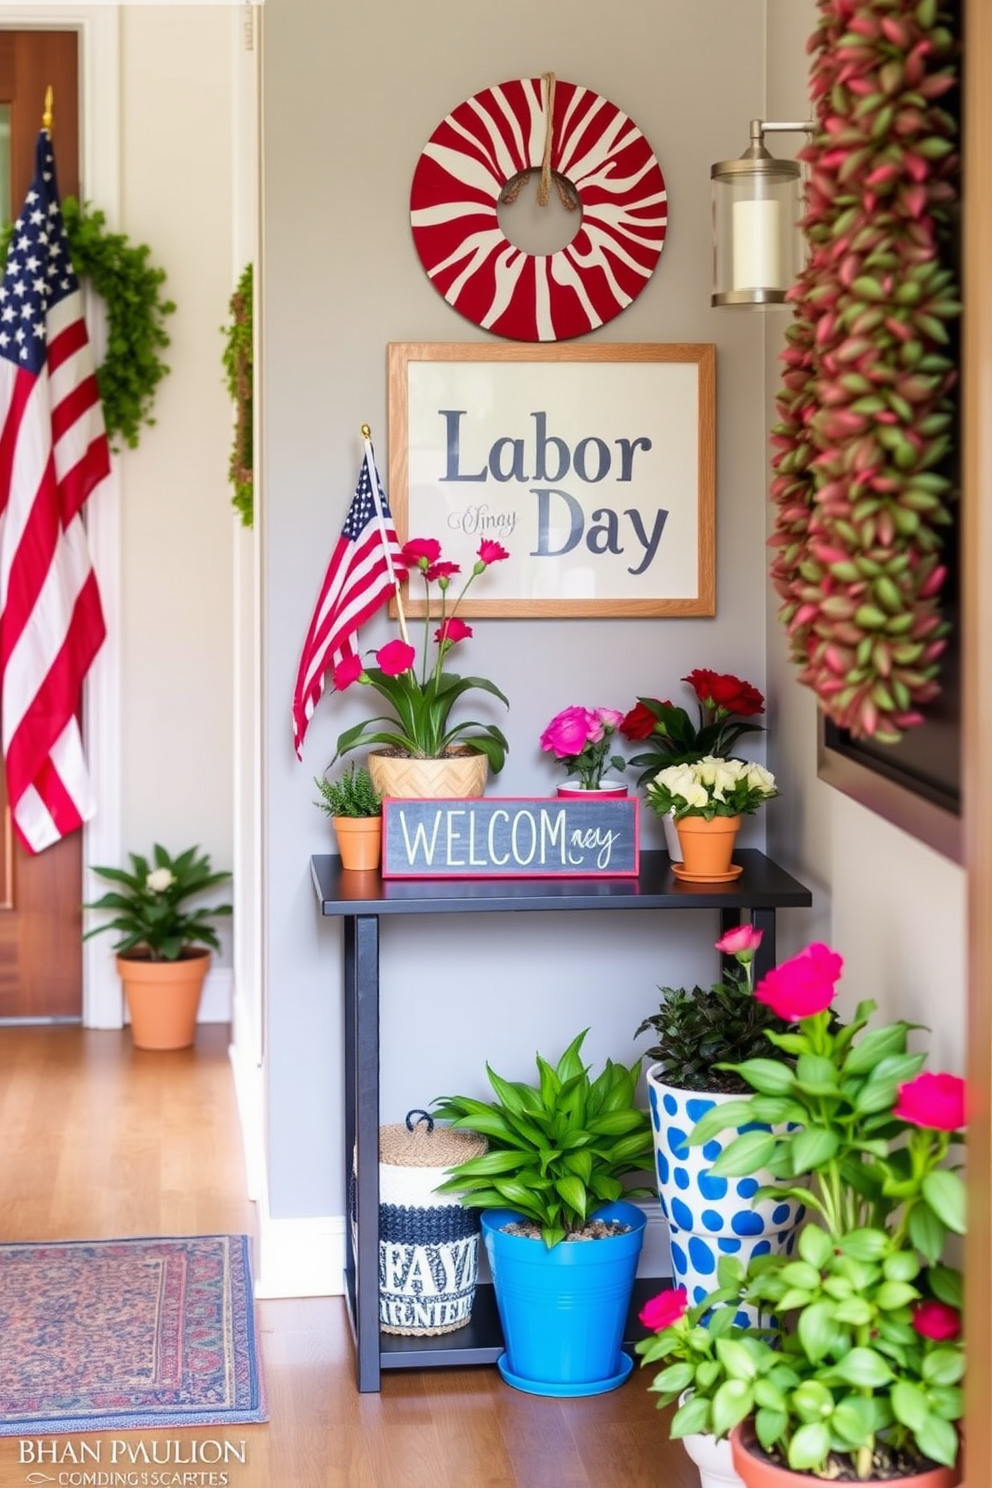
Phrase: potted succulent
(580, 739)
(424, 753)
(562, 1239)
(854, 1370)
(707, 798)
(725, 706)
(355, 807)
(160, 950)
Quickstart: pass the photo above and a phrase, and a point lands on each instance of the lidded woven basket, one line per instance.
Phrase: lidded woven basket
(428, 1243)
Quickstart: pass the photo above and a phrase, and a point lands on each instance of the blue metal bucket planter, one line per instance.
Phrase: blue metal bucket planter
(707, 1216)
(563, 1310)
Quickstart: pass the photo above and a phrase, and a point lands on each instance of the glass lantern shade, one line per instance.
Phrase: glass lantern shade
(757, 242)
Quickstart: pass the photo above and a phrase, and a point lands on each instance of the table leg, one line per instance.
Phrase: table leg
(362, 1086)
(764, 956)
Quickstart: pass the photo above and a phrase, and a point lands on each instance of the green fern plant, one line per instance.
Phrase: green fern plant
(238, 359)
(352, 794)
(556, 1150)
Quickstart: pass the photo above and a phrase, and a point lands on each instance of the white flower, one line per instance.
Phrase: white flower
(159, 880)
(760, 779)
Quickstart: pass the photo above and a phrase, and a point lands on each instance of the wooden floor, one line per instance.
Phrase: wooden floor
(98, 1140)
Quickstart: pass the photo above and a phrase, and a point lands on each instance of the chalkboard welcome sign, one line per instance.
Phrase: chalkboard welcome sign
(510, 837)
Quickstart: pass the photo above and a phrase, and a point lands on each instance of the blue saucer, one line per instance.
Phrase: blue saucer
(591, 1387)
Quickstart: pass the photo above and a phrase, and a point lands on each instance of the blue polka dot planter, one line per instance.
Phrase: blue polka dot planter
(709, 1216)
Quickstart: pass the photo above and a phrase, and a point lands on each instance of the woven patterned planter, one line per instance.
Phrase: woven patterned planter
(428, 1243)
(460, 774)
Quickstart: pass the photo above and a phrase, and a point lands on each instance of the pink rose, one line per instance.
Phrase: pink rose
(738, 941)
(610, 718)
(452, 630)
(421, 552)
(933, 1101)
(396, 657)
(491, 552)
(348, 670)
(936, 1320)
(665, 1309)
(803, 986)
(570, 731)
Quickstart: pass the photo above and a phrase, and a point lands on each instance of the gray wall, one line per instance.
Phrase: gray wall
(350, 97)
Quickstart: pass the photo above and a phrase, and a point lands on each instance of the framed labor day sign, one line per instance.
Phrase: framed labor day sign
(592, 464)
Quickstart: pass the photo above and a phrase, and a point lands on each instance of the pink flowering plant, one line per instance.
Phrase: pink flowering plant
(423, 695)
(854, 1368)
(580, 739)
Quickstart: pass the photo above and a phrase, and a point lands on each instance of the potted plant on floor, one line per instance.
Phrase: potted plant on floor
(561, 1238)
(854, 1371)
(160, 955)
(355, 807)
(424, 754)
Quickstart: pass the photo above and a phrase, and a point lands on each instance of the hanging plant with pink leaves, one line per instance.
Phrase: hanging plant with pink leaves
(861, 490)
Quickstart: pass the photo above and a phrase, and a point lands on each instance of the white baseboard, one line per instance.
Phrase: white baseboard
(217, 997)
(300, 1257)
(249, 1092)
(656, 1256)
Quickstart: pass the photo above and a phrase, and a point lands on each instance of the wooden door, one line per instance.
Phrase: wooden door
(41, 963)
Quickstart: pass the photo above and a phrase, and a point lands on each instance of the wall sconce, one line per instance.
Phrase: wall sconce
(757, 243)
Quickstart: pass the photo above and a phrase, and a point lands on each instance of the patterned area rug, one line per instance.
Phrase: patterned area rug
(99, 1335)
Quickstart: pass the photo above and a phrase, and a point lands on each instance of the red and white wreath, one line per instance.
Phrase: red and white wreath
(581, 139)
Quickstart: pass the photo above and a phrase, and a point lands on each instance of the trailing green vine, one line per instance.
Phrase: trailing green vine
(861, 486)
(136, 310)
(239, 366)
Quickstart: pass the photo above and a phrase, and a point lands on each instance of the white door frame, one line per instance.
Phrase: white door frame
(100, 182)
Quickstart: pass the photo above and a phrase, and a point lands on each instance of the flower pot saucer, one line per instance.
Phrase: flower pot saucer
(565, 1391)
(680, 872)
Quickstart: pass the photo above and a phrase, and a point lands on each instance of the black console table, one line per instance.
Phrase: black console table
(361, 900)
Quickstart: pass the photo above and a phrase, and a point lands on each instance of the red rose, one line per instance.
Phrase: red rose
(725, 692)
(933, 1101)
(420, 552)
(452, 630)
(491, 552)
(803, 986)
(936, 1320)
(396, 657)
(348, 670)
(665, 1309)
(638, 723)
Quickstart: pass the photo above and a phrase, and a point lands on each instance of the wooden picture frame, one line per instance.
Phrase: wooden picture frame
(594, 465)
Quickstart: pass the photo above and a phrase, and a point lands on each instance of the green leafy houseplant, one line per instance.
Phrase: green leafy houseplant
(149, 904)
(422, 698)
(725, 706)
(700, 1032)
(855, 1367)
(131, 289)
(352, 794)
(556, 1150)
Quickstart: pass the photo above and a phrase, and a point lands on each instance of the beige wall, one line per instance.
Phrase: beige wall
(176, 518)
(894, 908)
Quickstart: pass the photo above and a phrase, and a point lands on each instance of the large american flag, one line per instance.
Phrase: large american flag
(53, 452)
(360, 577)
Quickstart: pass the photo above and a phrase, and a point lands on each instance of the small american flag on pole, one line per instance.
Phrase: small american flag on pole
(363, 573)
(53, 452)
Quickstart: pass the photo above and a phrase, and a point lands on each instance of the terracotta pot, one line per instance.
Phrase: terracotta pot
(163, 998)
(460, 774)
(708, 846)
(359, 841)
(757, 1472)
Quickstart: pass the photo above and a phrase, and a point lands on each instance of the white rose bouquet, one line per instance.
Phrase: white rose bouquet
(711, 787)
